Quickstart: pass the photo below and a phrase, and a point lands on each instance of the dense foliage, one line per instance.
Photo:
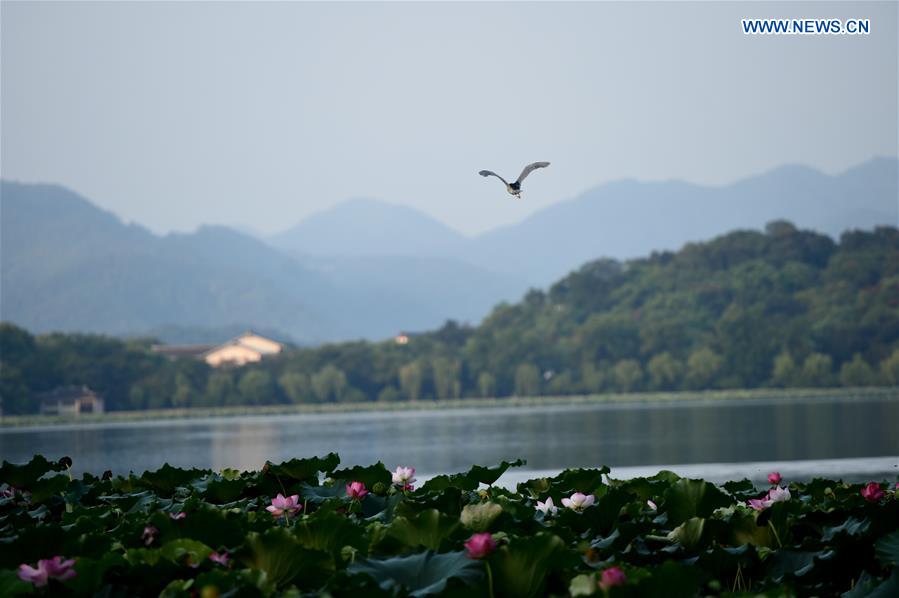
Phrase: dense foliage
(783, 308)
(306, 527)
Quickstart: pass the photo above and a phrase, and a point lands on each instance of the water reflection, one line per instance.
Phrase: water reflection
(550, 437)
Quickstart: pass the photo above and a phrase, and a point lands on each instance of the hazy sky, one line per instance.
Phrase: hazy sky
(258, 114)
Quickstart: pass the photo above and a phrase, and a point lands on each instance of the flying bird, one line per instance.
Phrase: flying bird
(515, 188)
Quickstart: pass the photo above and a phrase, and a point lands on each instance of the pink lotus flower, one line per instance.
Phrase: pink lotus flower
(613, 576)
(282, 505)
(652, 506)
(149, 535)
(873, 492)
(36, 576)
(47, 569)
(222, 559)
(776, 494)
(578, 501)
(480, 545)
(774, 478)
(177, 516)
(356, 490)
(547, 508)
(403, 476)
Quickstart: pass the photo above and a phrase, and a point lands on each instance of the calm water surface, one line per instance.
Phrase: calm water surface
(549, 437)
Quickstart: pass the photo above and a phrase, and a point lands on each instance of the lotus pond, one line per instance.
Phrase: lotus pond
(307, 527)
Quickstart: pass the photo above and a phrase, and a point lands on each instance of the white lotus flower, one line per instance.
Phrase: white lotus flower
(578, 501)
(403, 475)
(547, 508)
(778, 494)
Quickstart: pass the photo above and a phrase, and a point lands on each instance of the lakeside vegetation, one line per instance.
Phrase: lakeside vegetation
(776, 394)
(307, 527)
(782, 308)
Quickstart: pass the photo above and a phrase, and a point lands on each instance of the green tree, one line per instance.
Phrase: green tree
(486, 385)
(817, 371)
(527, 380)
(703, 367)
(411, 380)
(446, 378)
(389, 394)
(785, 371)
(628, 375)
(560, 384)
(329, 383)
(256, 387)
(220, 389)
(665, 372)
(857, 372)
(296, 386)
(594, 378)
(889, 369)
(14, 394)
(184, 391)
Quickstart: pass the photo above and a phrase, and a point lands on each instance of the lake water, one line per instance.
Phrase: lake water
(853, 437)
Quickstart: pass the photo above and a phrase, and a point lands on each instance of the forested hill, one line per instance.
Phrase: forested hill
(748, 309)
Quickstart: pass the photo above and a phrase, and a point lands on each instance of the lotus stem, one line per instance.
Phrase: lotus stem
(776, 537)
(489, 579)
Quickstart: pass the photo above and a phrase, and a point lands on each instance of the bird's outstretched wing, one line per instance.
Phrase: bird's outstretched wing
(530, 168)
(491, 173)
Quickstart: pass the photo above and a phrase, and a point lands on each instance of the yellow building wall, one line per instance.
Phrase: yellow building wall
(232, 355)
(261, 344)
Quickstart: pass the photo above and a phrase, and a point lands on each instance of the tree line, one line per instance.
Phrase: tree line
(780, 308)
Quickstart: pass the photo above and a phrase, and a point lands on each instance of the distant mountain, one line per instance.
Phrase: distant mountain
(67, 265)
(629, 218)
(368, 269)
(620, 220)
(368, 227)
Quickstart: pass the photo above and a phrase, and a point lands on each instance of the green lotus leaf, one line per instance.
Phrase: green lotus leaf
(330, 533)
(423, 574)
(693, 498)
(672, 579)
(213, 527)
(303, 470)
(566, 483)
(428, 528)
(185, 551)
(319, 494)
(220, 582)
(92, 571)
(887, 549)
(851, 527)
(471, 479)
(741, 490)
(177, 588)
(218, 490)
(371, 475)
(794, 562)
(11, 585)
(23, 476)
(33, 543)
(870, 587)
(689, 533)
(43, 489)
(521, 567)
(583, 585)
(167, 478)
(479, 517)
(284, 560)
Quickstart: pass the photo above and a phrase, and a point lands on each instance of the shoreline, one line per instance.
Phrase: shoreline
(646, 398)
